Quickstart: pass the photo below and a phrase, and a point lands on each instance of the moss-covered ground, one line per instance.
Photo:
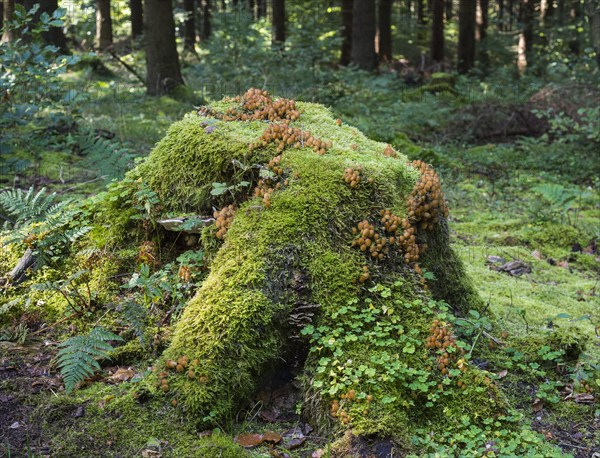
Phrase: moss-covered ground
(537, 332)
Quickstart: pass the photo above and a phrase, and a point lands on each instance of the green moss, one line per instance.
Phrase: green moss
(121, 421)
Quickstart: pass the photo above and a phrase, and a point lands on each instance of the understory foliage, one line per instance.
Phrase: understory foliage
(77, 356)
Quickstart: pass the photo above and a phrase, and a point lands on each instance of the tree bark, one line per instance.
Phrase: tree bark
(592, 10)
(466, 35)
(501, 15)
(482, 19)
(163, 73)
(363, 34)
(251, 8)
(278, 7)
(261, 8)
(206, 11)
(421, 12)
(385, 29)
(104, 32)
(347, 6)
(7, 15)
(189, 25)
(437, 31)
(449, 11)
(527, 11)
(137, 18)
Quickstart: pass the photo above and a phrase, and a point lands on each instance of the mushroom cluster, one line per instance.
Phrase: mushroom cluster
(224, 218)
(182, 365)
(426, 202)
(339, 407)
(285, 136)
(444, 342)
(370, 241)
(265, 189)
(257, 105)
(353, 176)
(389, 151)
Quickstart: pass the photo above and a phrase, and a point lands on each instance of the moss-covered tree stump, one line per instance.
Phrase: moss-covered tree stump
(329, 252)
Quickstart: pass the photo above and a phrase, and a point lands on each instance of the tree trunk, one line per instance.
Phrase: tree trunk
(278, 22)
(205, 10)
(104, 32)
(449, 10)
(163, 73)
(363, 34)
(437, 31)
(7, 15)
(137, 18)
(482, 19)
(421, 11)
(592, 10)
(527, 11)
(55, 36)
(251, 8)
(347, 6)
(261, 8)
(511, 12)
(466, 35)
(385, 29)
(501, 15)
(189, 25)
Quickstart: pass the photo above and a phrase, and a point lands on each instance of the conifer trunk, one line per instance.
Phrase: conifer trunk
(437, 31)
(363, 34)
(104, 31)
(347, 14)
(466, 35)
(385, 30)
(137, 18)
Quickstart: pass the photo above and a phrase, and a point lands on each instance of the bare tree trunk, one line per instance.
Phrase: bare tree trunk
(189, 25)
(261, 8)
(137, 18)
(592, 10)
(7, 15)
(421, 12)
(385, 29)
(482, 19)
(437, 31)
(206, 11)
(527, 11)
(501, 15)
(163, 73)
(346, 57)
(511, 12)
(466, 35)
(278, 22)
(449, 10)
(251, 8)
(104, 32)
(363, 34)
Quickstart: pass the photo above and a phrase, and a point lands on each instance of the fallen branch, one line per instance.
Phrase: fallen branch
(128, 67)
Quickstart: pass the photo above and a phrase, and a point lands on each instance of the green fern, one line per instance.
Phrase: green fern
(135, 315)
(77, 357)
(103, 156)
(46, 226)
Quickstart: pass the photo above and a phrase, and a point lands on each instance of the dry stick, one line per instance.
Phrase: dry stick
(128, 67)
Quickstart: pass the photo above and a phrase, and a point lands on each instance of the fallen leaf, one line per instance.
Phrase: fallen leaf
(147, 453)
(271, 437)
(15, 425)
(293, 438)
(502, 374)
(496, 260)
(248, 440)
(80, 412)
(121, 375)
(318, 453)
(538, 405)
(563, 264)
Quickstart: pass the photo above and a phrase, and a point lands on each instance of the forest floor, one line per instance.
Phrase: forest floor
(514, 196)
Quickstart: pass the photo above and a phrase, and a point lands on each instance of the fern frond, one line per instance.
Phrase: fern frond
(77, 357)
